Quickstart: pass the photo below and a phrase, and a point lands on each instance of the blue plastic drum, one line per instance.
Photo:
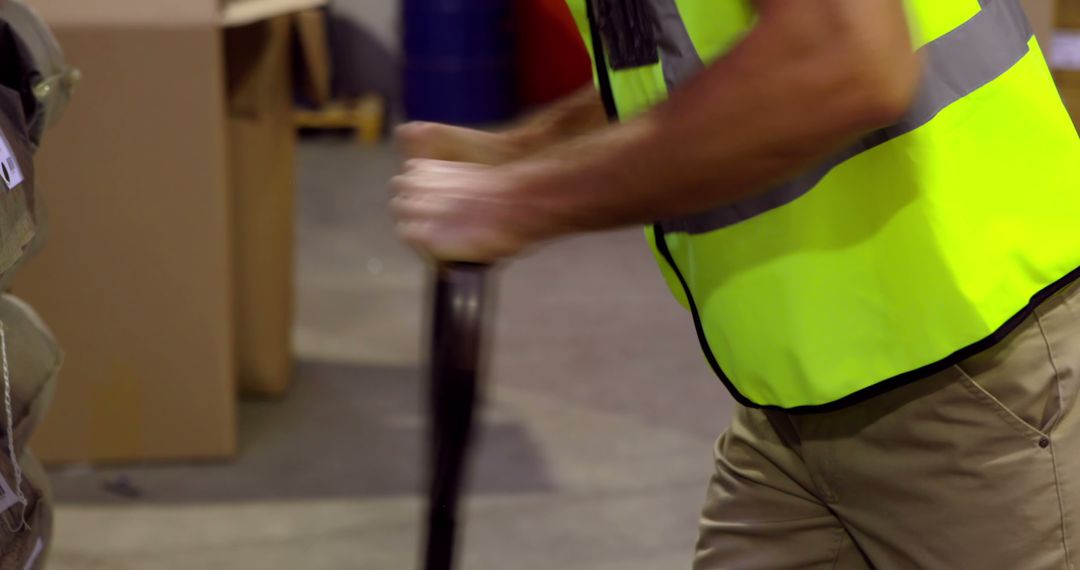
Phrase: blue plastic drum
(459, 61)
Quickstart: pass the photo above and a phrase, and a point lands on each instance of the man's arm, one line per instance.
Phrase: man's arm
(811, 77)
(577, 114)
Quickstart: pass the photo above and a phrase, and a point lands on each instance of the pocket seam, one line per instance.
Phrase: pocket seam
(985, 397)
(1050, 353)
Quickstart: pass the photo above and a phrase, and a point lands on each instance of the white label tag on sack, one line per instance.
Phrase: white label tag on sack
(8, 498)
(9, 166)
(39, 547)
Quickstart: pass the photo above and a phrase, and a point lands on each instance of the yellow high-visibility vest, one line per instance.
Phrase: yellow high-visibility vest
(924, 243)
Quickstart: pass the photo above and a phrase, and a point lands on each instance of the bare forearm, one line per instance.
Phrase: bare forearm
(810, 78)
(578, 114)
(793, 92)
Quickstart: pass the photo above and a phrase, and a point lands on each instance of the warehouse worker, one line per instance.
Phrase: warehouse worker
(34, 86)
(871, 209)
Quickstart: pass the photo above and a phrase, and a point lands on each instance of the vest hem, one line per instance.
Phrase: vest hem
(882, 386)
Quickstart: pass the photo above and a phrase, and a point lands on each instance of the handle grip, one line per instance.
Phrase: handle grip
(457, 333)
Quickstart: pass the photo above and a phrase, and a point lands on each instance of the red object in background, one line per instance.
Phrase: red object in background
(552, 60)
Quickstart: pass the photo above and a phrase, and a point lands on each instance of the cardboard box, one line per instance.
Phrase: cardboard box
(168, 263)
(135, 279)
(165, 13)
(125, 13)
(1068, 81)
(1068, 14)
(1066, 56)
(1041, 15)
(262, 147)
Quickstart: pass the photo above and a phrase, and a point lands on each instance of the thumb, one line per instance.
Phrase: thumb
(427, 140)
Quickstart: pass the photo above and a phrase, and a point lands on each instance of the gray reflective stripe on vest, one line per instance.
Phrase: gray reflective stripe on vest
(678, 56)
(957, 64)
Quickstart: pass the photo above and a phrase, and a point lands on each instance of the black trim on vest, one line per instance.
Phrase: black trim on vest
(608, 98)
(665, 252)
(883, 386)
(600, 62)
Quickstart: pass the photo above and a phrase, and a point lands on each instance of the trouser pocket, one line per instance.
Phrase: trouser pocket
(1019, 379)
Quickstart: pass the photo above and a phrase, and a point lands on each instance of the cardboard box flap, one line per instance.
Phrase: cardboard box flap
(249, 61)
(314, 68)
(243, 12)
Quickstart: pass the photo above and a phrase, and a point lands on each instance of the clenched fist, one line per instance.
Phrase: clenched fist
(456, 211)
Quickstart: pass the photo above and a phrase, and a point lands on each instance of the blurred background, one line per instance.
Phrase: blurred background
(244, 379)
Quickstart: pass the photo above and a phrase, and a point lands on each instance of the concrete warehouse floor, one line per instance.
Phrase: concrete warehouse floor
(595, 448)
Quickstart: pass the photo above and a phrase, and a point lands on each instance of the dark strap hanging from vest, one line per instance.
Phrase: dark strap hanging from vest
(600, 62)
(629, 33)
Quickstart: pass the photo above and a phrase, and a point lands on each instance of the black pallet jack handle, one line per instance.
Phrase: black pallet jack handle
(457, 331)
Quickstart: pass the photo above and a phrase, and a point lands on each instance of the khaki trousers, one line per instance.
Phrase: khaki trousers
(977, 467)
